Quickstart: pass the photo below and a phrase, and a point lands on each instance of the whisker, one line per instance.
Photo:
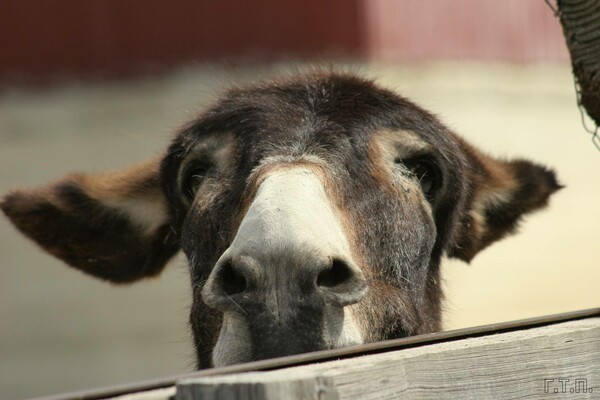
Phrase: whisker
(234, 302)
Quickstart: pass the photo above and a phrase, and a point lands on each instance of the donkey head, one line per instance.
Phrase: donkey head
(313, 211)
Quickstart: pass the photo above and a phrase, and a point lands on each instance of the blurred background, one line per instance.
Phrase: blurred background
(97, 85)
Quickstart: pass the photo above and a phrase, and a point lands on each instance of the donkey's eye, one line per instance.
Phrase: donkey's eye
(428, 174)
(193, 179)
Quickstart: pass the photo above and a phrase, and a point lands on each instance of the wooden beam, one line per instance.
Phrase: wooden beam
(258, 386)
(156, 394)
(582, 322)
(561, 359)
(528, 364)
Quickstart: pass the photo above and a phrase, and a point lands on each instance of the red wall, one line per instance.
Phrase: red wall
(507, 30)
(42, 39)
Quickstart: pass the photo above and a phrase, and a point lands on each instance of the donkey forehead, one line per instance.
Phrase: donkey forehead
(336, 112)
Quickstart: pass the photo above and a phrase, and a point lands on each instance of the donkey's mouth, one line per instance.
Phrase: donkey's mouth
(262, 336)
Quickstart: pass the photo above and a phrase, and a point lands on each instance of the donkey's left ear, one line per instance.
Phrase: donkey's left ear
(501, 193)
(114, 226)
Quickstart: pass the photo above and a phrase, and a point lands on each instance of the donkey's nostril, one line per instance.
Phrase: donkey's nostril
(336, 275)
(241, 280)
(341, 282)
(229, 283)
(232, 281)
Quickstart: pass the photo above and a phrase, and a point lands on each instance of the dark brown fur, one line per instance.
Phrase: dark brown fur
(398, 237)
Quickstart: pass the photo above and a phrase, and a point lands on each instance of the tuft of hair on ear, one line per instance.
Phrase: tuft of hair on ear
(536, 183)
(502, 196)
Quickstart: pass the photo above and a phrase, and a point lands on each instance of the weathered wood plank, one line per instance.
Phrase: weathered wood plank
(326, 355)
(157, 394)
(559, 361)
(257, 386)
(513, 365)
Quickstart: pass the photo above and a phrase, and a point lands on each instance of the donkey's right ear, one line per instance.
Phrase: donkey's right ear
(114, 226)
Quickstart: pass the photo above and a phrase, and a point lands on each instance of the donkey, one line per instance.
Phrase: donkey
(313, 210)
